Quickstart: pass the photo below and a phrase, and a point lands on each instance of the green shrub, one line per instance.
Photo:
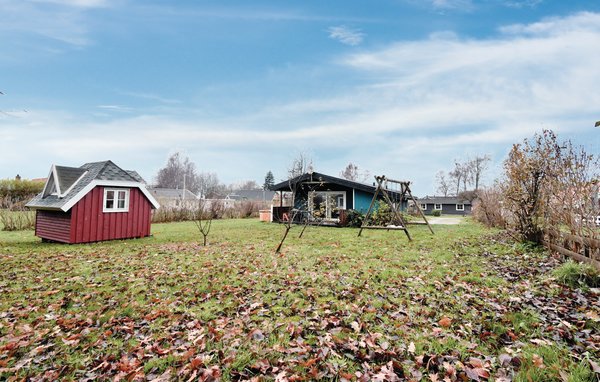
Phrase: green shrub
(382, 214)
(576, 275)
(436, 213)
(354, 218)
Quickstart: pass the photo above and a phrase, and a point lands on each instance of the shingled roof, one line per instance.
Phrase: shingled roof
(66, 185)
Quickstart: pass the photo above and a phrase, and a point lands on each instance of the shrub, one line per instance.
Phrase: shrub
(354, 218)
(17, 220)
(382, 214)
(14, 193)
(436, 213)
(488, 208)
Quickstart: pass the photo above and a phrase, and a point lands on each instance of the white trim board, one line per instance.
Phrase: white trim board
(109, 183)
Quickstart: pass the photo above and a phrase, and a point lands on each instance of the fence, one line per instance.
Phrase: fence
(580, 248)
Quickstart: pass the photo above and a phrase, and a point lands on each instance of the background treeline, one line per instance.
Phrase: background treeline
(15, 193)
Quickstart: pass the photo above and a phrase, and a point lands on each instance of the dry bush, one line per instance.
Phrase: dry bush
(17, 220)
(172, 214)
(550, 184)
(487, 209)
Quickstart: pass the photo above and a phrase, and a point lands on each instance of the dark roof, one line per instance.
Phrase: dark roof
(251, 195)
(135, 175)
(105, 170)
(326, 179)
(172, 193)
(443, 200)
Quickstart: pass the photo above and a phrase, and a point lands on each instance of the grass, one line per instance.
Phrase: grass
(331, 305)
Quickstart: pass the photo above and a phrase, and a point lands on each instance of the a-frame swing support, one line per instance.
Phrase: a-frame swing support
(400, 223)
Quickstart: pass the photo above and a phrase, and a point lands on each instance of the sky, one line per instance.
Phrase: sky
(401, 88)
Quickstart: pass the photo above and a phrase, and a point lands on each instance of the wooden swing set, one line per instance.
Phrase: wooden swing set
(393, 193)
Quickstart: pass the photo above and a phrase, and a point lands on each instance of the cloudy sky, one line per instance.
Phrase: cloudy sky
(398, 87)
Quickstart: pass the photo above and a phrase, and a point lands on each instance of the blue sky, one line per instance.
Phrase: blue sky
(398, 87)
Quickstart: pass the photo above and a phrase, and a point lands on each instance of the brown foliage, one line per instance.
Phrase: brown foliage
(488, 207)
(549, 184)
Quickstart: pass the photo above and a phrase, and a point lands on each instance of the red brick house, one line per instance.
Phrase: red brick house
(95, 202)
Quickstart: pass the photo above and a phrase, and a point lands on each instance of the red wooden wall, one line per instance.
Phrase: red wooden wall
(53, 225)
(89, 223)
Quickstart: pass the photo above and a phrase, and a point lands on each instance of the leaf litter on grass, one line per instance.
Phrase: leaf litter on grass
(465, 305)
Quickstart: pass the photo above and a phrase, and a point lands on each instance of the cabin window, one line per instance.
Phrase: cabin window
(116, 200)
(460, 207)
(423, 206)
(327, 204)
(437, 206)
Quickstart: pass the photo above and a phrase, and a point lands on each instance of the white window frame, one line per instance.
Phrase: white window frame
(437, 206)
(115, 207)
(423, 206)
(327, 207)
(462, 207)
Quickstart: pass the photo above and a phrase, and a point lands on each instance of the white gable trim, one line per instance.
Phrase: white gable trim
(63, 194)
(109, 183)
(51, 176)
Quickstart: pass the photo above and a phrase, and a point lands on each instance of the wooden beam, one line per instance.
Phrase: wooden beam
(574, 255)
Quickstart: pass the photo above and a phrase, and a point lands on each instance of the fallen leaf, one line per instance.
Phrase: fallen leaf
(595, 366)
(538, 361)
(445, 322)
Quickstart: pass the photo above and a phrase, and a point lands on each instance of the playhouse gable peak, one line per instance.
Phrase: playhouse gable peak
(67, 185)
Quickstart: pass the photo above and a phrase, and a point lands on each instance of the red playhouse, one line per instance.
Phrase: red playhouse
(97, 201)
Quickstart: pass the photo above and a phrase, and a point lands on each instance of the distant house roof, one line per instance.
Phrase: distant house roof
(443, 200)
(172, 193)
(255, 195)
(67, 185)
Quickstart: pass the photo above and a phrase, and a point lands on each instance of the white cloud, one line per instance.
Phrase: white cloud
(522, 3)
(425, 103)
(346, 35)
(75, 3)
(65, 24)
(452, 4)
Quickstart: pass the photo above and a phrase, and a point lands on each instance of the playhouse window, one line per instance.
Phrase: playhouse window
(423, 206)
(437, 206)
(460, 207)
(116, 200)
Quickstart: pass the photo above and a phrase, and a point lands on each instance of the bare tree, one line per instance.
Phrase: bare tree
(456, 175)
(299, 210)
(477, 166)
(178, 173)
(442, 184)
(246, 185)
(203, 217)
(300, 165)
(352, 172)
(210, 187)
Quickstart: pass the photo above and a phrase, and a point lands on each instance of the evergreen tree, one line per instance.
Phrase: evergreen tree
(269, 181)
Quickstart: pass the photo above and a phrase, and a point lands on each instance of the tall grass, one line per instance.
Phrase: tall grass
(17, 220)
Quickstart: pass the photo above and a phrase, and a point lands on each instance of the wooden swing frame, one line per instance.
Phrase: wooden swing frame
(399, 222)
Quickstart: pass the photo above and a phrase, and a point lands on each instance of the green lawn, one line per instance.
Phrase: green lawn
(463, 304)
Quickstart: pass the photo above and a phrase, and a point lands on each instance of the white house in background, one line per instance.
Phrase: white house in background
(251, 195)
(174, 198)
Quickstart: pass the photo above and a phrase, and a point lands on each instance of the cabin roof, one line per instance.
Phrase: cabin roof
(65, 186)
